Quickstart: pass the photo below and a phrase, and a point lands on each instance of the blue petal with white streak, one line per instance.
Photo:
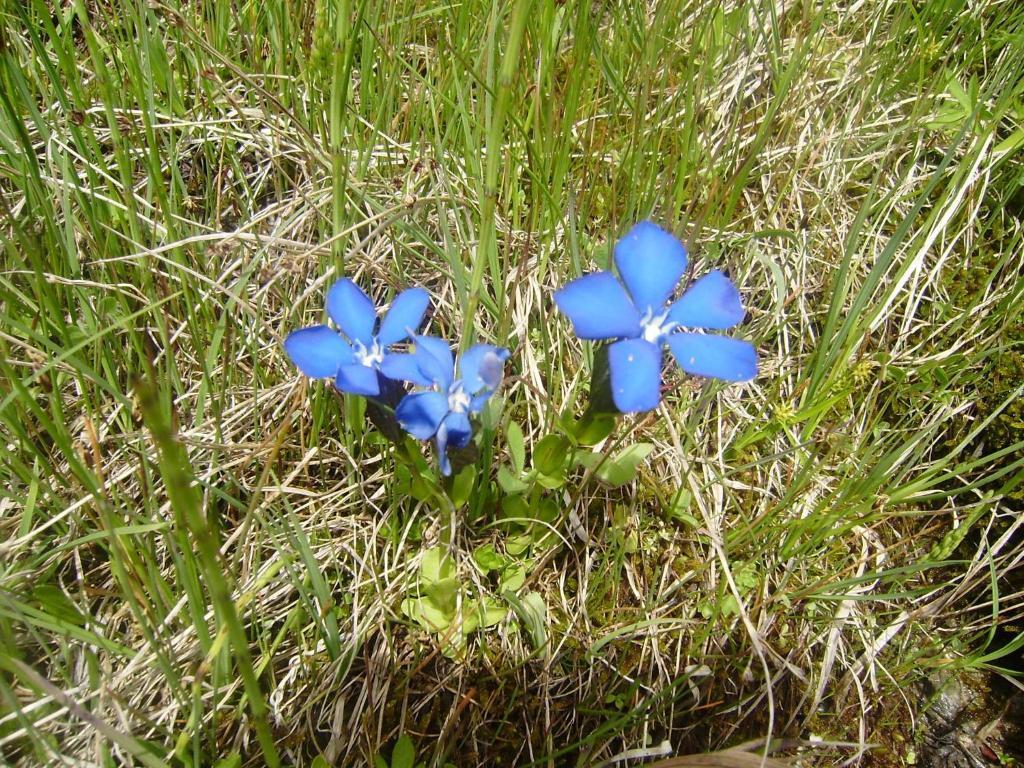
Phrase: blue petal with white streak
(318, 351)
(599, 307)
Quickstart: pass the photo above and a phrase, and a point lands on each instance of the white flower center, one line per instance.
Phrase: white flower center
(656, 327)
(372, 357)
(458, 400)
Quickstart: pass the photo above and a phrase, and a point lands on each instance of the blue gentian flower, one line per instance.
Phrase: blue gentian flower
(354, 364)
(454, 391)
(650, 262)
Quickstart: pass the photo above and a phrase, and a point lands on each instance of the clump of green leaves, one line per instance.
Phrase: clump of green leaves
(441, 605)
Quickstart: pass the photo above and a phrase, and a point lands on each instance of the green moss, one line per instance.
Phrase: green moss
(1002, 369)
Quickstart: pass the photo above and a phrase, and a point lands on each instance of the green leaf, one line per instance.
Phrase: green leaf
(948, 116)
(516, 545)
(404, 754)
(746, 577)
(511, 483)
(444, 594)
(487, 558)
(434, 609)
(621, 469)
(513, 578)
(516, 446)
(234, 760)
(546, 510)
(532, 611)
(1011, 143)
(587, 459)
(454, 646)
(679, 509)
(630, 543)
(421, 488)
(481, 614)
(945, 547)
(491, 414)
(436, 565)
(591, 429)
(470, 617)
(551, 454)
(729, 605)
(542, 536)
(957, 92)
(426, 614)
(401, 480)
(553, 481)
(515, 507)
(492, 612)
(462, 486)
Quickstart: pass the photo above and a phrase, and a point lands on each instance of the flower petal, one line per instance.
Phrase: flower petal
(599, 307)
(479, 400)
(357, 379)
(456, 431)
(441, 446)
(650, 262)
(434, 357)
(635, 367)
(404, 317)
(350, 307)
(401, 367)
(711, 302)
(421, 413)
(482, 367)
(716, 356)
(318, 351)
(459, 429)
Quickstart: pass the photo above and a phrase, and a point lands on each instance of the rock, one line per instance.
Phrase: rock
(970, 720)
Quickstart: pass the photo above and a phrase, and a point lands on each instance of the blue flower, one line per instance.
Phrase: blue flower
(454, 392)
(650, 262)
(354, 364)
